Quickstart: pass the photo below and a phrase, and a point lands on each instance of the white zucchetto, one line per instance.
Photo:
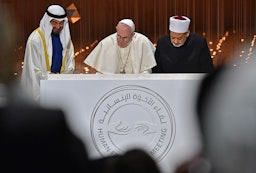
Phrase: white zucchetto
(128, 22)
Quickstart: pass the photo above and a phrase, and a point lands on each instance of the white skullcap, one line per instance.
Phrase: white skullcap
(128, 22)
(56, 11)
(179, 24)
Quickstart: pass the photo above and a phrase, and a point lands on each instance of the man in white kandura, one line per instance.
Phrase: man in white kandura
(125, 51)
(49, 49)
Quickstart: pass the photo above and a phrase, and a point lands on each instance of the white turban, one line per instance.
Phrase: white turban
(128, 22)
(179, 24)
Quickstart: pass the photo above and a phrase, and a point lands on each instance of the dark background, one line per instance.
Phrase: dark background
(210, 18)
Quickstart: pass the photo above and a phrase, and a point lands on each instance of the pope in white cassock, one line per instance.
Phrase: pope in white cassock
(49, 49)
(125, 51)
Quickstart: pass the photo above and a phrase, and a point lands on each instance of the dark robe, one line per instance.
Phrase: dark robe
(192, 57)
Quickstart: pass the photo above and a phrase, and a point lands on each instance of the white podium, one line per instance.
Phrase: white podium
(114, 113)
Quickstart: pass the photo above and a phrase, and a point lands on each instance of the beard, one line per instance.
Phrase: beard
(179, 45)
(56, 30)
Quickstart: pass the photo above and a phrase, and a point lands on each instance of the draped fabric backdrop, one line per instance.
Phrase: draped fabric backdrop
(227, 24)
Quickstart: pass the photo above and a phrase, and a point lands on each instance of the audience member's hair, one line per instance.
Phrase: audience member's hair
(135, 161)
(38, 140)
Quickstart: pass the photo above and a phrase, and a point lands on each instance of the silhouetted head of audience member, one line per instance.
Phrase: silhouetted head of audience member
(8, 36)
(34, 139)
(104, 164)
(228, 118)
(205, 91)
(135, 161)
(132, 161)
(9, 82)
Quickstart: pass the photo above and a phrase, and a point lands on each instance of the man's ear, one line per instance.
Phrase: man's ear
(188, 32)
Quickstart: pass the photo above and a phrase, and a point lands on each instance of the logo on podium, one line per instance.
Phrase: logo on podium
(132, 116)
